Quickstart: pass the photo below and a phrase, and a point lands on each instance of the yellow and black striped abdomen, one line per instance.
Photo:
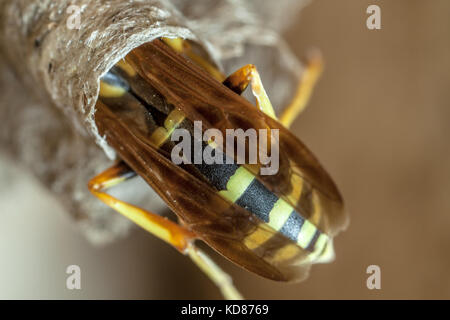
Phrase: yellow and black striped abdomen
(241, 187)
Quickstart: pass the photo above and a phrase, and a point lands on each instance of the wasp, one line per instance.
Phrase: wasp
(275, 225)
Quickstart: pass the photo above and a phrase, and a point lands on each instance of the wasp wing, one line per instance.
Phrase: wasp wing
(229, 229)
(300, 180)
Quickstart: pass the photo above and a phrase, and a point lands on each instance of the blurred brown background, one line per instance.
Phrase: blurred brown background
(379, 122)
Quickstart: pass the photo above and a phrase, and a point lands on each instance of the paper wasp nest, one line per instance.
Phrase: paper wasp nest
(50, 70)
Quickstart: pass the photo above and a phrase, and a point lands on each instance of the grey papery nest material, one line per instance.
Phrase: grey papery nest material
(49, 80)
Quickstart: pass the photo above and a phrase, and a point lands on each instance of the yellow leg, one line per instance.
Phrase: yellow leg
(304, 90)
(179, 237)
(222, 280)
(239, 80)
(182, 46)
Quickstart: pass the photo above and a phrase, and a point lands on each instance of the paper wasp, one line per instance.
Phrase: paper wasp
(274, 225)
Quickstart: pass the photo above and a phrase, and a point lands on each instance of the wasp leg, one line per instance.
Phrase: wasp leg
(304, 89)
(182, 46)
(221, 279)
(171, 232)
(161, 227)
(248, 74)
